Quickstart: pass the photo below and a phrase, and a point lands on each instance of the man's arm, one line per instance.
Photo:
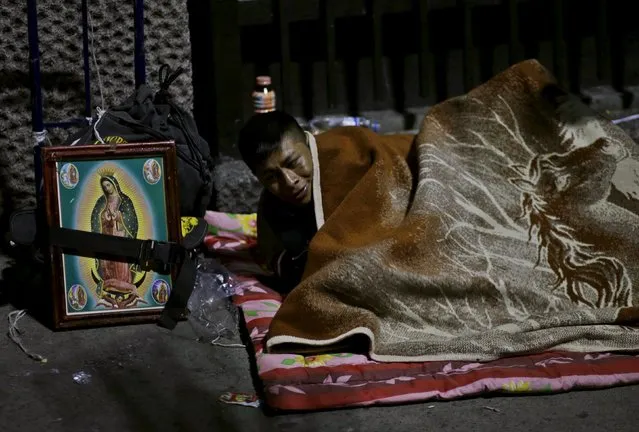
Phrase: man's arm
(269, 246)
(286, 264)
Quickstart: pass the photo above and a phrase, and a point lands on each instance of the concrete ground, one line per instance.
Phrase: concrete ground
(144, 378)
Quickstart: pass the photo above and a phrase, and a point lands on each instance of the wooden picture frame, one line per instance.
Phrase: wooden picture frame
(126, 190)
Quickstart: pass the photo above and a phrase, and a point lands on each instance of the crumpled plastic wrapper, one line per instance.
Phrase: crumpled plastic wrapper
(243, 399)
(212, 314)
(82, 377)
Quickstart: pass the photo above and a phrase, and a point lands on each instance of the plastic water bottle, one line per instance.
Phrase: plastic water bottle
(264, 99)
(324, 123)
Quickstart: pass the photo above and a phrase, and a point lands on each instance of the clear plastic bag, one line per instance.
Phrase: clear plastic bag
(212, 315)
(318, 125)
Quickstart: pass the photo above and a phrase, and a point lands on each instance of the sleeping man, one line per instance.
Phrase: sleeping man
(305, 180)
(277, 151)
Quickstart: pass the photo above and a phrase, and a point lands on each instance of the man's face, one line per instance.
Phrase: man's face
(288, 172)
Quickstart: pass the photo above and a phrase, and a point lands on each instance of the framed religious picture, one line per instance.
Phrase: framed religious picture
(128, 190)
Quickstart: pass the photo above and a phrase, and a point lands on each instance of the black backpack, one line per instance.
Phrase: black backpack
(146, 117)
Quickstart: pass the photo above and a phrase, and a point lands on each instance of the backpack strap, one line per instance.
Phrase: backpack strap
(148, 254)
(166, 77)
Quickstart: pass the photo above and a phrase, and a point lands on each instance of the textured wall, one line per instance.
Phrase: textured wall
(166, 38)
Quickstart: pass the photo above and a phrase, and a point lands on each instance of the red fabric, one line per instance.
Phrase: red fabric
(324, 387)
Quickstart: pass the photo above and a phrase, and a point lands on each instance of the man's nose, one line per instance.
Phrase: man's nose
(290, 178)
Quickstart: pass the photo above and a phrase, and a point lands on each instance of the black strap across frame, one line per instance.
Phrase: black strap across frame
(148, 254)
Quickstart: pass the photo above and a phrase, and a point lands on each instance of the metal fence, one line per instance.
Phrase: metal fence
(353, 56)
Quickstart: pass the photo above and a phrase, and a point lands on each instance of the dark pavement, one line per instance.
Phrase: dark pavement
(144, 378)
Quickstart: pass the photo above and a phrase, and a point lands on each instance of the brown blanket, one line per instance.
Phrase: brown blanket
(516, 233)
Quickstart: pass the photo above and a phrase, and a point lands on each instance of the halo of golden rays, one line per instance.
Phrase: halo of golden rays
(88, 195)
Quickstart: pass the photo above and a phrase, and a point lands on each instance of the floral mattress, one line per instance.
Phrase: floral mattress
(295, 382)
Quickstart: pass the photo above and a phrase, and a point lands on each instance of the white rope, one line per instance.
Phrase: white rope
(39, 137)
(14, 334)
(95, 60)
(225, 345)
(100, 112)
(219, 336)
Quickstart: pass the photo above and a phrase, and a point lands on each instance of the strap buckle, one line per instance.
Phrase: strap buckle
(145, 255)
(149, 259)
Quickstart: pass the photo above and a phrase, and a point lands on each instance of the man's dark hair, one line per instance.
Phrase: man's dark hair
(263, 134)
